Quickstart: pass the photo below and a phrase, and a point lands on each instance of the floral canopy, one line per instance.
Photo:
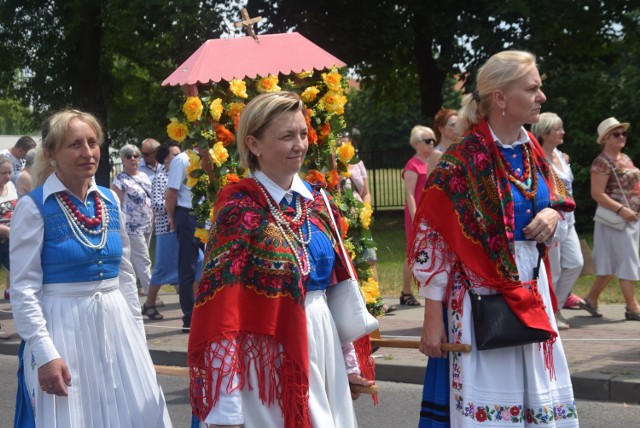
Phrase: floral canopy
(220, 77)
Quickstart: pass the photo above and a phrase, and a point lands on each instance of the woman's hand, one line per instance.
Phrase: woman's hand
(54, 377)
(543, 225)
(433, 332)
(357, 379)
(628, 214)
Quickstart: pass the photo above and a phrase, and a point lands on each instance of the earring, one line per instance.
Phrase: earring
(503, 113)
(53, 164)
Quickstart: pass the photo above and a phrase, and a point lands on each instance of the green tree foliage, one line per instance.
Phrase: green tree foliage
(103, 56)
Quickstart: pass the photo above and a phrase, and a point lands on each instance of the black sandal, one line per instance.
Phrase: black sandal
(408, 299)
(151, 312)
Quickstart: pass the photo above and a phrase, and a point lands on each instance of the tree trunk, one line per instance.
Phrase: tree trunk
(86, 77)
(431, 78)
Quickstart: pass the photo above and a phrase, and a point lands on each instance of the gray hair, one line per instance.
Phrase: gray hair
(5, 159)
(30, 158)
(129, 149)
(547, 122)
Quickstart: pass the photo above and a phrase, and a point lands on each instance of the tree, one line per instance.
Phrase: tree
(107, 57)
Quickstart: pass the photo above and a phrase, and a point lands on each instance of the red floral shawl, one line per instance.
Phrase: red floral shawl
(468, 183)
(249, 308)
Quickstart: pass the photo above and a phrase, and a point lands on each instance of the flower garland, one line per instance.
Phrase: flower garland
(206, 125)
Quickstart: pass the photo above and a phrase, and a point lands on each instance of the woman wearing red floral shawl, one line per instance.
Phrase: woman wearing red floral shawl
(263, 347)
(477, 227)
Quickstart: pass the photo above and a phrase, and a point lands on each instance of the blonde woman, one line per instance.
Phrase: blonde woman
(414, 177)
(489, 203)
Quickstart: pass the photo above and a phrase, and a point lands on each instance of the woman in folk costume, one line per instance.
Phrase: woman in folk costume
(263, 348)
(84, 358)
(505, 200)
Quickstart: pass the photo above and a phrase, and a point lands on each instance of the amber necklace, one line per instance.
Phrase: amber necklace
(527, 182)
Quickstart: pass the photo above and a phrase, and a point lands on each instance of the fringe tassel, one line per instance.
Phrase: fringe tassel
(548, 357)
(280, 380)
(365, 361)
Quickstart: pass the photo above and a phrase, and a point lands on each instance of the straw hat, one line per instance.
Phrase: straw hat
(607, 125)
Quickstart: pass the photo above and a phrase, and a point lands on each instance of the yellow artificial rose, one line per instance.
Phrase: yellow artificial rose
(345, 174)
(216, 108)
(268, 84)
(304, 74)
(201, 234)
(235, 109)
(238, 87)
(370, 290)
(177, 130)
(192, 108)
(219, 154)
(194, 164)
(346, 152)
(332, 80)
(309, 94)
(334, 102)
(365, 215)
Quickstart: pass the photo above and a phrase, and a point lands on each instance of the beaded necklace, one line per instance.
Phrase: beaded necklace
(527, 182)
(81, 225)
(286, 226)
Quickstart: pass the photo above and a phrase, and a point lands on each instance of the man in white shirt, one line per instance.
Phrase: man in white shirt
(18, 153)
(148, 164)
(182, 220)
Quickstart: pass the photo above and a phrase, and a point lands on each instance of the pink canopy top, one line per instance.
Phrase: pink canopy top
(237, 58)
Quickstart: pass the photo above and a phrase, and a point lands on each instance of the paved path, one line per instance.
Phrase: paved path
(603, 354)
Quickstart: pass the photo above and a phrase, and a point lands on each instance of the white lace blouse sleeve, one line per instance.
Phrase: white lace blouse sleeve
(25, 244)
(431, 270)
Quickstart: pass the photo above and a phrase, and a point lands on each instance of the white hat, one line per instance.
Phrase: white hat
(607, 125)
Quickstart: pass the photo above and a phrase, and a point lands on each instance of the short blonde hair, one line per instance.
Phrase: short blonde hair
(54, 130)
(256, 118)
(498, 73)
(547, 122)
(416, 134)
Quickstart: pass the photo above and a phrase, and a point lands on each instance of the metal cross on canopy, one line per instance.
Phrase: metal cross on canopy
(247, 22)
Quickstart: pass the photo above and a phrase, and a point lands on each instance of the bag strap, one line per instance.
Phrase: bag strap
(541, 246)
(339, 236)
(615, 174)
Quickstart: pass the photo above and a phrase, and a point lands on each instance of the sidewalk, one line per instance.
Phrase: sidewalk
(603, 353)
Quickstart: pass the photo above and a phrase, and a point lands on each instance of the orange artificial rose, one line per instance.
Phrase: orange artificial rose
(333, 179)
(224, 134)
(316, 177)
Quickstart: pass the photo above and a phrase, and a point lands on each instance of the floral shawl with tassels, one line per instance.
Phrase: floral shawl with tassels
(468, 203)
(249, 308)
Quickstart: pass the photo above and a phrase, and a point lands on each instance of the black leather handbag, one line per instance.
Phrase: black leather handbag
(496, 326)
(494, 323)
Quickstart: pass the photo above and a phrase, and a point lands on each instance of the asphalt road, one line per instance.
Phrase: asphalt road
(399, 404)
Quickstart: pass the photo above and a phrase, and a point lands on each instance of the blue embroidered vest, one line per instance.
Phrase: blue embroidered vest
(64, 258)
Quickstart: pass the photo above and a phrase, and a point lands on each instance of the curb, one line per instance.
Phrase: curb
(586, 385)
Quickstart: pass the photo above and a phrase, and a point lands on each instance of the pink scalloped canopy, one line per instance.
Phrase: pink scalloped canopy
(226, 59)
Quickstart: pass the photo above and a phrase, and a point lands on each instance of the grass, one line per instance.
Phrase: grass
(388, 232)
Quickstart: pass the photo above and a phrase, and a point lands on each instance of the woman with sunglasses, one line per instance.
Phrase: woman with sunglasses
(134, 191)
(414, 177)
(615, 185)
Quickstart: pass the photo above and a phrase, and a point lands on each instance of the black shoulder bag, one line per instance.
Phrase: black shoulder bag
(494, 323)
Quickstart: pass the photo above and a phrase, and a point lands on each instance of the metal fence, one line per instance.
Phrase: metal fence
(384, 169)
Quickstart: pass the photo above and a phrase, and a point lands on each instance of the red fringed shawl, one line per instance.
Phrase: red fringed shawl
(468, 202)
(249, 309)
